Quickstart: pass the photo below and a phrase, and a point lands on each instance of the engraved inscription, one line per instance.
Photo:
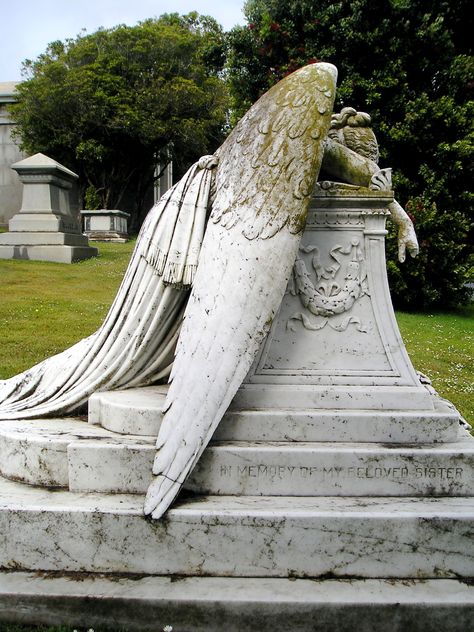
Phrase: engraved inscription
(280, 472)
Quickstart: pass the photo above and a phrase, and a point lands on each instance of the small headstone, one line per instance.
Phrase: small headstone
(106, 225)
(46, 228)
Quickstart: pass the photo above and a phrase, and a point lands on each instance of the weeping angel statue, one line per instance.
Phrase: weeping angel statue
(209, 271)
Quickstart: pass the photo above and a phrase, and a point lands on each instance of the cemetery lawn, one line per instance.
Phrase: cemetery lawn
(46, 307)
(441, 345)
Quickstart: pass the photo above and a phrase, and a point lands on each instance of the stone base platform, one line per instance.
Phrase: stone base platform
(337, 493)
(56, 253)
(137, 411)
(88, 458)
(229, 536)
(296, 534)
(106, 236)
(208, 604)
(44, 239)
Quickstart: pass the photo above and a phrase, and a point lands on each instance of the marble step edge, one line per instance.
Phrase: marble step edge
(210, 604)
(340, 469)
(247, 536)
(34, 451)
(438, 426)
(309, 469)
(59, 253)
(43, 238)
(68, 453)
(138, 411)
(69, 429)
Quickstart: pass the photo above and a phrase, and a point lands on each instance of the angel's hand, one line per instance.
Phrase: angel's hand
(407, 239)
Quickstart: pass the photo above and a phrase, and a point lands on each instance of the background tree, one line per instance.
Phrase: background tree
(409, 63)
(113, 104)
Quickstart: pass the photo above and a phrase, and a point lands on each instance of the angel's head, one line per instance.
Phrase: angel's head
(352, 129)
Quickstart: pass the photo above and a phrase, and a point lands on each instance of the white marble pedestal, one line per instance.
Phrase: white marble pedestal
(338, 489)
(335, 343)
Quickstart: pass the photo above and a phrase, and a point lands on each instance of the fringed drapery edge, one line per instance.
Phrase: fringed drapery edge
(170, 243)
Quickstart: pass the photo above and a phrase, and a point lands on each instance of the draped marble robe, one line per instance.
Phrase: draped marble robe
(135, 344)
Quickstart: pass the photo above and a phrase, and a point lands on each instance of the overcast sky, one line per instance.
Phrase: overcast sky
(28, 26)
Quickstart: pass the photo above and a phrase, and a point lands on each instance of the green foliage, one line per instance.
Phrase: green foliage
(113, 104)
(92, 200)
(410, 65)
(439, 273)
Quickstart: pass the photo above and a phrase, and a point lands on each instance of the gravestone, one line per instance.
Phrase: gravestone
(338, 488)
(46, 228)
(106, 225)
(329, 485)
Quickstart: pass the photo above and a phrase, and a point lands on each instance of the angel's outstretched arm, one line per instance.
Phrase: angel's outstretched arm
(346, 165)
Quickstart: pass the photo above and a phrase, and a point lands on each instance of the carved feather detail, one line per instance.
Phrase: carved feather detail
(281, 127)
(263, 183)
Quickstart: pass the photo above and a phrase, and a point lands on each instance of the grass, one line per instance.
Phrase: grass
(46, 307)
(441, 345)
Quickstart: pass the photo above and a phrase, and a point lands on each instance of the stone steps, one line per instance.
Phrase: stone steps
(237, 536)
(35, 451)
(138, 411)
(43, 238)
(83, 457)
(209, 604)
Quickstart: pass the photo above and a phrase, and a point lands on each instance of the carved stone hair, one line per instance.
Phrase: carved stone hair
(352, 129)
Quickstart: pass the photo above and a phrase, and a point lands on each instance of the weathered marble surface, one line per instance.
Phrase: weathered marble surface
(271, 537)
(37, 451)
(83, 457)
(110, 467)
(139, 411)
(208, 604)
(130, 411)
(335, 342)
(385, 426)
(336, 469)
(267, 169)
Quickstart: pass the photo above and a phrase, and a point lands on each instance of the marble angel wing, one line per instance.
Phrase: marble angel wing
(267, 170)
